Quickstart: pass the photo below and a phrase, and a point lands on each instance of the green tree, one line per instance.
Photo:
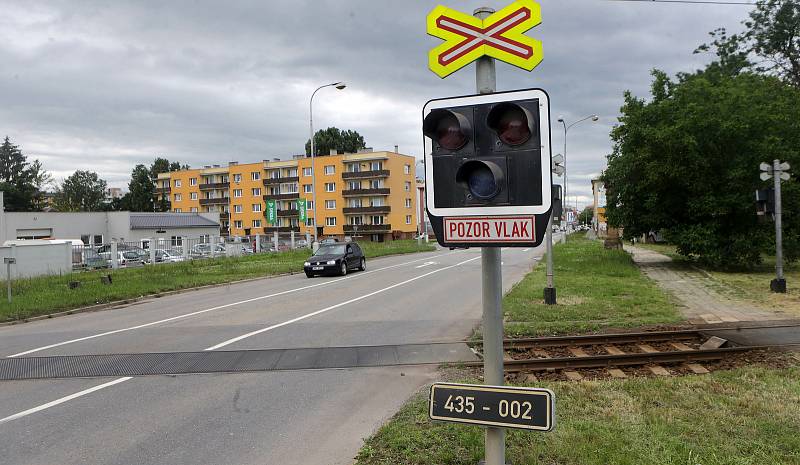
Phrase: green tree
(141, 190)
(21, 182)
(82, 191)
(770, 43)
(686, 164)
(333, 138)
(586, 216)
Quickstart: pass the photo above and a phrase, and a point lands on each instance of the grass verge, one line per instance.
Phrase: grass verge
(597, 288)
(746, 416)
(51, 294)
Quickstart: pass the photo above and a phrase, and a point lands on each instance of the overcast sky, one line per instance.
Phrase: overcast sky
(104, 85)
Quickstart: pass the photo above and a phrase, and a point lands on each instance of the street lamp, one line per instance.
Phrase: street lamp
(566, 128)
(339, 85)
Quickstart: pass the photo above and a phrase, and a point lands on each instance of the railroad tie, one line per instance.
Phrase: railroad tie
(647, 348)
(578, 352)
(613, 350)
(659, 370)
(617, 373)
(680, 346)
(697, 368)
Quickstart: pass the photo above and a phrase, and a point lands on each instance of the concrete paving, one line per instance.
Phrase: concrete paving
(291, 417)
(699, 303)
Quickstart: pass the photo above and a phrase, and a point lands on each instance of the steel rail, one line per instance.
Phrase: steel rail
(594, 339)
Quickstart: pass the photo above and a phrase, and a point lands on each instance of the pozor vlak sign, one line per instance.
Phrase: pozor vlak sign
(487, 168)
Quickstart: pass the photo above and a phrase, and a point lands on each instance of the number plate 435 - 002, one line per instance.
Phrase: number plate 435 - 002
(499, 406)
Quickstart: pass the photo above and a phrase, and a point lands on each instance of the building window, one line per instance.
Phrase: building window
(377, 220)
(292, 172)
(274, 174)
(290, 188)
(375, 184)
(356, 220)
(176, 241)
(376, 166)
(177, 183)
(193, 209)
(355, 203)
(307, 171)
(309, 204)
(256, 192)
(330, 187)
(354, 185)
(178, 210)
(354, 167)
(237, 178)
(192, 181)
(255, 176)
(237, 208)
(330, 169)
(309, 221)
(408, 186)
(237, 193)
(256, 223)
(256, 207)
(178, 197)
(237, 224)
(408, 219)
(407, 169)
(193, 195)
(408, 203)
(330, 221)
(330, 205)
(376, 202)
(308, 188)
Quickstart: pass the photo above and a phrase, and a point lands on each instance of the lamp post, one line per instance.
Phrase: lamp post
(340, 86)
(566, 128)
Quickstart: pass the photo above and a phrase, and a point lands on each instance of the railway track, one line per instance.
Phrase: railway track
(657, 352)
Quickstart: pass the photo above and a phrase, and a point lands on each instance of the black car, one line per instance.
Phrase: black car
(336, 258)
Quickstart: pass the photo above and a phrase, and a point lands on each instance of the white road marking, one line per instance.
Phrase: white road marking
(25, 413)
(219, 307)
(332, 307)
(39, 408)
(425, 264)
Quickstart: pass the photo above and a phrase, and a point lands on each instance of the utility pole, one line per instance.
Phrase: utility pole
(778, 172)
(492, 286)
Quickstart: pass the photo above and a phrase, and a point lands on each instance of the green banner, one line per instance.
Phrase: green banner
(302, 210)
(272, 212)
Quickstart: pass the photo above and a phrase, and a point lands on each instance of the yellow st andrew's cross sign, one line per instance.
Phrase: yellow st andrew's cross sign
(499, 36)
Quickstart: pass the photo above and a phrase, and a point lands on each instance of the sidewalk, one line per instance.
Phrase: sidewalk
(693, 290)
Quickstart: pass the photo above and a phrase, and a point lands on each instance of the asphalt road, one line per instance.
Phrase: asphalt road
(289, 417)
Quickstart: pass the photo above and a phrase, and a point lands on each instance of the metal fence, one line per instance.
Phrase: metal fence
(177, 249)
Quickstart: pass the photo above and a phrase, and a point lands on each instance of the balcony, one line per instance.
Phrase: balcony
(287, 213)
(215, 185)
(281, 229)
(295, 195)
(363, 210)
(355, 192)
(367, 228)
(224, 215)
(365, 174)
(217, 201)
(162, 190)
(273, 181)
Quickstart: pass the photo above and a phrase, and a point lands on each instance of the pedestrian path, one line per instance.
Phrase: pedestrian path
(693, 291)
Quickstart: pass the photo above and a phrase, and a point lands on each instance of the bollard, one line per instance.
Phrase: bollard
(308, 240)
(275, 240)
(258, 243)
(152, 251)
(114, 255)
(292, 240)
(185, 247)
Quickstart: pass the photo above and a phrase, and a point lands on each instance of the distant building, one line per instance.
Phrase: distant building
(114, 193)
(104, 227)
(369, 195)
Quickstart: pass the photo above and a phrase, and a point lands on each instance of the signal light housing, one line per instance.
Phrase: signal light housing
(488, 155)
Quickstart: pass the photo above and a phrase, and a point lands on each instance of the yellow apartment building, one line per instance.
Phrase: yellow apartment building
(367, 195)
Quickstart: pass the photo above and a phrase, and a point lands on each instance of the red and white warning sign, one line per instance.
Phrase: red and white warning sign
(501, 229)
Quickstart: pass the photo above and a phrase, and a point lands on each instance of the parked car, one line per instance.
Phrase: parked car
(299, 244)
(125, 258)
(336, 258)
(167, 256)
(204, 250)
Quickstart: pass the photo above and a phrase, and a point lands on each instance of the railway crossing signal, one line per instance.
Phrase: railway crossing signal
(499, 36)
(486, 162)
(778, 171)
